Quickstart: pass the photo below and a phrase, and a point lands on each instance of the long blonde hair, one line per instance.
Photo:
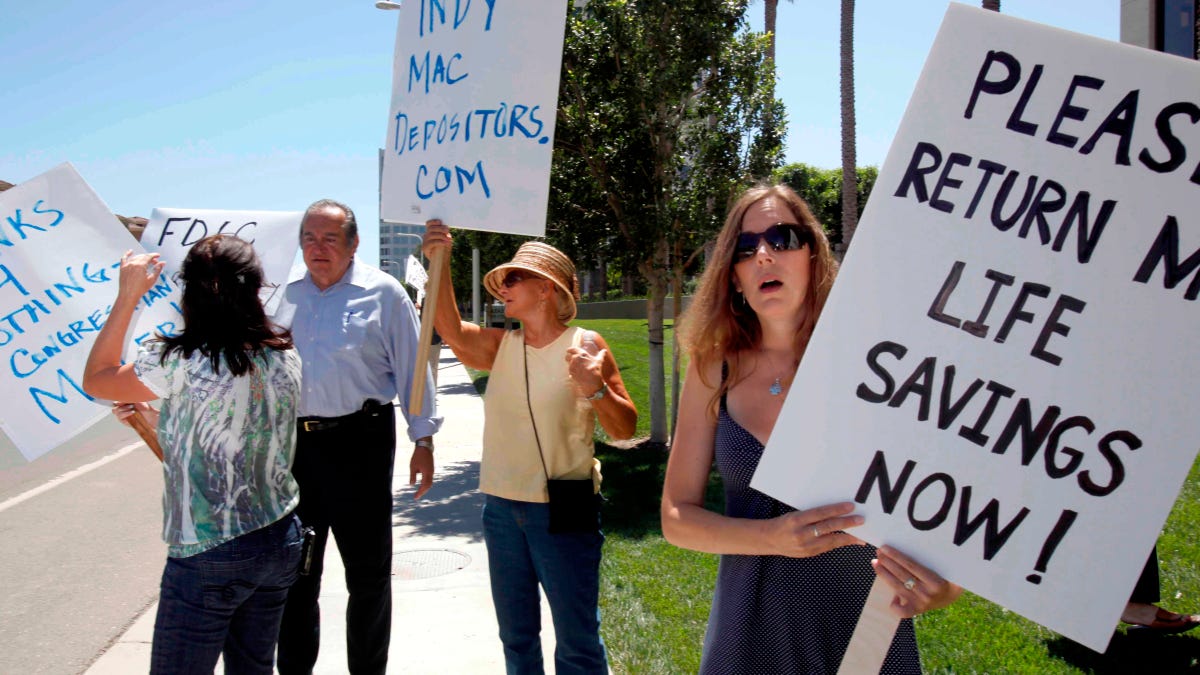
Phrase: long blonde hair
(718, 326)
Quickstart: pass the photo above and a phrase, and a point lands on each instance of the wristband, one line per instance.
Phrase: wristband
(599, 392)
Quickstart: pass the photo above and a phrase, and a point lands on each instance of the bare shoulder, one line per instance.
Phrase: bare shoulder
(705, 379)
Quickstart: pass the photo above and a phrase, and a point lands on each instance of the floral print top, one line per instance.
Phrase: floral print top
(228, 444)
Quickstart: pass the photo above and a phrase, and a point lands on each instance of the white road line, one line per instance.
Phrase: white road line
(74, 473)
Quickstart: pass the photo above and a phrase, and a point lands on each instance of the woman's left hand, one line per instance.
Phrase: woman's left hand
(918, 588)
(586, 369)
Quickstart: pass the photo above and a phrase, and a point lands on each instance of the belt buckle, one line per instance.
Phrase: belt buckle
(312, 425)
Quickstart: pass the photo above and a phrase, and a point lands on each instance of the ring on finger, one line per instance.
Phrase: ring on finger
(908, 585)
(816, 533)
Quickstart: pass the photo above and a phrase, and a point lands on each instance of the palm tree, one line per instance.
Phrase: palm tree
(849, 160)
(769, 12)
(993, 5)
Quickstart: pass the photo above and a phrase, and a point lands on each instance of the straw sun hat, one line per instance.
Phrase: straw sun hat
(547, 262)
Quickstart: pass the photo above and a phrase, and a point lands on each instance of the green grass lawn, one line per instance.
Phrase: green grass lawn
(655, 597)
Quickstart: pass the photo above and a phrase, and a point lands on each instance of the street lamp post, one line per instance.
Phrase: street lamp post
(400, 261)
(384, 262)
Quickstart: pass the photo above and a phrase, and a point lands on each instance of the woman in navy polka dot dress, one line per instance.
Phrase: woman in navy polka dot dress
(791, 584)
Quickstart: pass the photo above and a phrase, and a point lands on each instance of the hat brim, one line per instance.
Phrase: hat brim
(494, 278)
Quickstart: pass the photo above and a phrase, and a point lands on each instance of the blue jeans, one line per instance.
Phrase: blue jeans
(523, 553)
(228, 599)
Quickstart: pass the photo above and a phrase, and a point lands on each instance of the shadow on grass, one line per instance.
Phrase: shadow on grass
(1134, 653)
(633, 480)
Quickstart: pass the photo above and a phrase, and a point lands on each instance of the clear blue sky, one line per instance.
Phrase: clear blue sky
(271, 105)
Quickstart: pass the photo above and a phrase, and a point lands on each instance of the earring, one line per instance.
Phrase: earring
(737, 301)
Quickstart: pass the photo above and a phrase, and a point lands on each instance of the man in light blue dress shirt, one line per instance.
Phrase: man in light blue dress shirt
(357, 334)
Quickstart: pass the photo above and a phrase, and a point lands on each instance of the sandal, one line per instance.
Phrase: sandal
(1167, 623)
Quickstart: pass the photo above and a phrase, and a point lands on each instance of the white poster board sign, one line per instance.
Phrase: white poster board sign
(1002, 378)
(471, 126)
(275, 235)
(60, 248)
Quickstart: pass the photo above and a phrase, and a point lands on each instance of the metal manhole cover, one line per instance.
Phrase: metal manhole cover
(424, 564)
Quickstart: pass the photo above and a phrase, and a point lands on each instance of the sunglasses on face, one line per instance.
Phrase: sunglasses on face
(515, 277)
(780, 237)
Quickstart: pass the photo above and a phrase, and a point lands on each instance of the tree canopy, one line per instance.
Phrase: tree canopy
(662, 107)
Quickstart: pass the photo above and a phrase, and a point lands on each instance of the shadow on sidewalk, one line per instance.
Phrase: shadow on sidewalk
(457, 388)
(451, 508)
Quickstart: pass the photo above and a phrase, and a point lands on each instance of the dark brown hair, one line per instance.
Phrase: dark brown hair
(222, 313)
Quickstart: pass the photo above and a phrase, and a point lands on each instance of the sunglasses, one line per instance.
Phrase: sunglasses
(515, 277)
(780, 237)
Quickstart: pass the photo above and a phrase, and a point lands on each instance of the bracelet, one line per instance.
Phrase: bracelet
(599, 392)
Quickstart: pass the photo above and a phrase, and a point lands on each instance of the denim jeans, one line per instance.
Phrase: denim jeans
(228, 599)
(521, 554)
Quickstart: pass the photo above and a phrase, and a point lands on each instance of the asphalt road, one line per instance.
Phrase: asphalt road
(81, 558)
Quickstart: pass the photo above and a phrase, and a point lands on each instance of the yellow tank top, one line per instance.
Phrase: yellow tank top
(511, 467)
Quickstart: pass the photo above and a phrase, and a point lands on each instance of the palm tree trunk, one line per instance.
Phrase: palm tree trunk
(769, 10)
(769, 13)
(849, 159)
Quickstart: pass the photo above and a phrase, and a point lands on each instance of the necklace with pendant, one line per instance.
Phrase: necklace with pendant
(776, 387)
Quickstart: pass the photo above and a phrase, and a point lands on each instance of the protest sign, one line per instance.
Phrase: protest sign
(471, 125)
(275, 235)
(60, 248)
(415, 276)
(1001, 378)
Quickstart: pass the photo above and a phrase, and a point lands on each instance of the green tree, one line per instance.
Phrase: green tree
(822, 189)
(661, 105)
(493, 248)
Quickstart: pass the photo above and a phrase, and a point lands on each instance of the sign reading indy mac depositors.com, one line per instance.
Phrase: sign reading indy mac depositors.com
(60, 248)
(1002, 378)
(471, 128)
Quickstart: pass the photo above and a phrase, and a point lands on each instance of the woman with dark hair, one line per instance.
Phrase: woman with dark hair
(229, 383)
(791, 584)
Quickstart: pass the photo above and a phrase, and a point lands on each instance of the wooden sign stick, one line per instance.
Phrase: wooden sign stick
(436, 262)
(873, 635)
(138, 421)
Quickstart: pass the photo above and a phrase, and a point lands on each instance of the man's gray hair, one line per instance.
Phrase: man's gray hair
(349, 229)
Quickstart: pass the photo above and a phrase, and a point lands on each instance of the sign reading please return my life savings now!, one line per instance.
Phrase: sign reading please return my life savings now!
(60, 248)
(471, 126)
(1004, 376)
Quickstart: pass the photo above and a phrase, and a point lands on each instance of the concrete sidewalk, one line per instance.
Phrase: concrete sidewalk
(442, 617)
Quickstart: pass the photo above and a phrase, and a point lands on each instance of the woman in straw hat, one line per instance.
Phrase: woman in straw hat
(549, 384)
(791, 584)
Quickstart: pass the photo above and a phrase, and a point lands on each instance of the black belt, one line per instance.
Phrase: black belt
(326, 423)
